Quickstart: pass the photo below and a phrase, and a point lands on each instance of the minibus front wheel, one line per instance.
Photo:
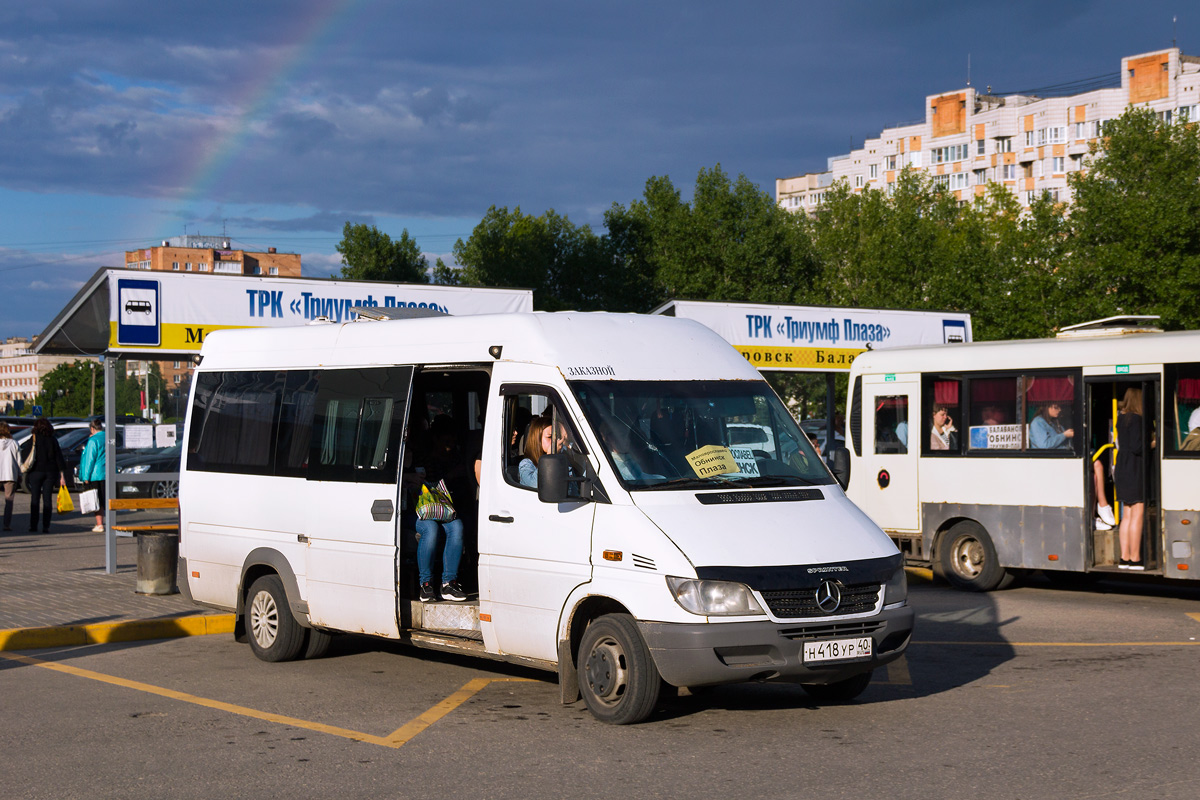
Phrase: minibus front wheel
(273, 632)
(617, 676)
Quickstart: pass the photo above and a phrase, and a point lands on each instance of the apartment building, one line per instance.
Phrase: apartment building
(212, 255)
(22, 371)
(1028, 144)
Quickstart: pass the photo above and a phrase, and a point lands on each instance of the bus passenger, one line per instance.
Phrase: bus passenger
(1192, 442)
(444, 461)
(1130, 477)
(1046, 431)
(941, 434)
(540, 440)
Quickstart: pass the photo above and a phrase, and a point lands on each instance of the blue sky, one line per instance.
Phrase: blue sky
(123, 123)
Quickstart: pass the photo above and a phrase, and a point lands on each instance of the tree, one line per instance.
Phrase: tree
(1136, 223)
(731, 243)
(368, 254)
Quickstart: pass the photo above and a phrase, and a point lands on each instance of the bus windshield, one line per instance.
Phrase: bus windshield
(698, 434)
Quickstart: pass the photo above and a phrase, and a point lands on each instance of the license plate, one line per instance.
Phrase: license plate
(837, 649)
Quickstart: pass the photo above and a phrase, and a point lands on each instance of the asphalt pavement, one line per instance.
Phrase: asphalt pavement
(55, 591)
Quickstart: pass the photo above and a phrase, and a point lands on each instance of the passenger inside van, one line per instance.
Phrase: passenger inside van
(443, 460)
(544, 437)
(1046, 432)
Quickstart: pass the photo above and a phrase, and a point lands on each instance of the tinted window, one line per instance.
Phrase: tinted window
(233, 422)
(358, 423)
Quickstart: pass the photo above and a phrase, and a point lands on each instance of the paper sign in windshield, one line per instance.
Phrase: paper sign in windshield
(712, 460)
(746, 462)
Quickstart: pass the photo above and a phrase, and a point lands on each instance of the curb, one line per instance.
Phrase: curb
(107, 632)
(919, 574)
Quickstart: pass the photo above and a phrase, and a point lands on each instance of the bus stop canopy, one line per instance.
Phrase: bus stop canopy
(154, 315)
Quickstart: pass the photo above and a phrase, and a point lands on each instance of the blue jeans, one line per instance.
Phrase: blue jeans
(428, 529)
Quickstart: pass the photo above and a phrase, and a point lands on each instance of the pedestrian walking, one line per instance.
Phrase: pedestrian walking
(47, 471)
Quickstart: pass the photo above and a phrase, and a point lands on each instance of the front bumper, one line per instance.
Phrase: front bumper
(705, 654)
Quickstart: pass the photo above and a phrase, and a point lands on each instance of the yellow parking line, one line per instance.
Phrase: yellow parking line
(1069, 644)
(398, 738)
(1194, 615)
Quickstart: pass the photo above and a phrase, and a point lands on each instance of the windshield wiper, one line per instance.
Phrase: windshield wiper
(699, 483)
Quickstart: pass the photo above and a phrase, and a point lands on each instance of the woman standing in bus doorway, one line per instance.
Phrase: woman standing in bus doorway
(1130, 477)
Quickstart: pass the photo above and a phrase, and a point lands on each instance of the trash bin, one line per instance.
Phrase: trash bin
(157, 560)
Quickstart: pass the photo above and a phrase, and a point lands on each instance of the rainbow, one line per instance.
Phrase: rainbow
(309, 36)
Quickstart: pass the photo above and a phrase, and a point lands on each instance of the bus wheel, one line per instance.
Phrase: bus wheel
(274, 633)
(617, 676)
(316, 643)
(969, 559)
(838, 691)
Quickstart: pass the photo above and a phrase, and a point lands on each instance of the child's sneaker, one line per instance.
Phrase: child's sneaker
(428, 595)
(452, 591)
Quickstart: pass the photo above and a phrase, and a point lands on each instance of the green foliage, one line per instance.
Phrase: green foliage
(75, 382)
(368, 254)
(1136, 223)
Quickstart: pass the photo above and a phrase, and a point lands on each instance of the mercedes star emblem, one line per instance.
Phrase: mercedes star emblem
(829, 596)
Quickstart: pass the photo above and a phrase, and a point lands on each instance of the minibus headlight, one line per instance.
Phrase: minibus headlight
(714, 598)
(895, 591)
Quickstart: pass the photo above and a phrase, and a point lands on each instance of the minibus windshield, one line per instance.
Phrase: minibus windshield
(699, 434)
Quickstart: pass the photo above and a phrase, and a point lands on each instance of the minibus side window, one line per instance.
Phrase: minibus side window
(1181, 407)
(891, 424)
(358, 422)
(942, 402)
(1051, 413)
(295, 423)
(994, 421)
(233, 422)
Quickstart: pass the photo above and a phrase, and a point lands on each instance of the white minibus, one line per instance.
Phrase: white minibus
(647, 546)
(991, 459)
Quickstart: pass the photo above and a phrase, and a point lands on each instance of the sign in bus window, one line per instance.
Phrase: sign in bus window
(891, 424)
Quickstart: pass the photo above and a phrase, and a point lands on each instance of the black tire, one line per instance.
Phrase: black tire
(969, 561)
(273, 632)
(617, 676)
(316, 643)
(838, 691)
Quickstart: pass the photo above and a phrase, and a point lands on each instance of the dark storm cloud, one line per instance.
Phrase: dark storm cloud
(444, 109)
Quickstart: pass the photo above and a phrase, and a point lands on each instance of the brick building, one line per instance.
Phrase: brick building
(1029, 144)
(213, 255)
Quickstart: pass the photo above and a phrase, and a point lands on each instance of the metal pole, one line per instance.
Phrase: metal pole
(110, 462)
(830, 407)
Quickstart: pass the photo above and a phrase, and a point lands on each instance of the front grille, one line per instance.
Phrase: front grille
(834, 631)
(800, 603)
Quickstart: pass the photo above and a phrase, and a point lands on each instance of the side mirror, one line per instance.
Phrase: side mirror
(839, 465)
(557, 484)
(553, 479)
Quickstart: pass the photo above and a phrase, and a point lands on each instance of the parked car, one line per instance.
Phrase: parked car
(151, 459)
(756, 437)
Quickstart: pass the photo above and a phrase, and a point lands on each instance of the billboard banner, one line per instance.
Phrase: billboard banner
(818, 338)
(174, 312)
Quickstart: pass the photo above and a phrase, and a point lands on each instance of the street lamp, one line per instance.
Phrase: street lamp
(58, 393)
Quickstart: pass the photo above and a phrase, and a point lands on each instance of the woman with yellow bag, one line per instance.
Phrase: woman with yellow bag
(46, 471)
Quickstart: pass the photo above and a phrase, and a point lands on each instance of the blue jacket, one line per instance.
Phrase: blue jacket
(92, 463)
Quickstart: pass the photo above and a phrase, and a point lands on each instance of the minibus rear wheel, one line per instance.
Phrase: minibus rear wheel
(968, 559)
(273, 632)
(617, 676)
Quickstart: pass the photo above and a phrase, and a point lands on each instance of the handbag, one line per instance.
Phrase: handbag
(28, 462)
(89, 502)
(64, 500)
(435, 503)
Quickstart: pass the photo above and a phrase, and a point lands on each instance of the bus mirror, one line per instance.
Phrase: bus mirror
(839, 465)
(552, 478)
(559, 482)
